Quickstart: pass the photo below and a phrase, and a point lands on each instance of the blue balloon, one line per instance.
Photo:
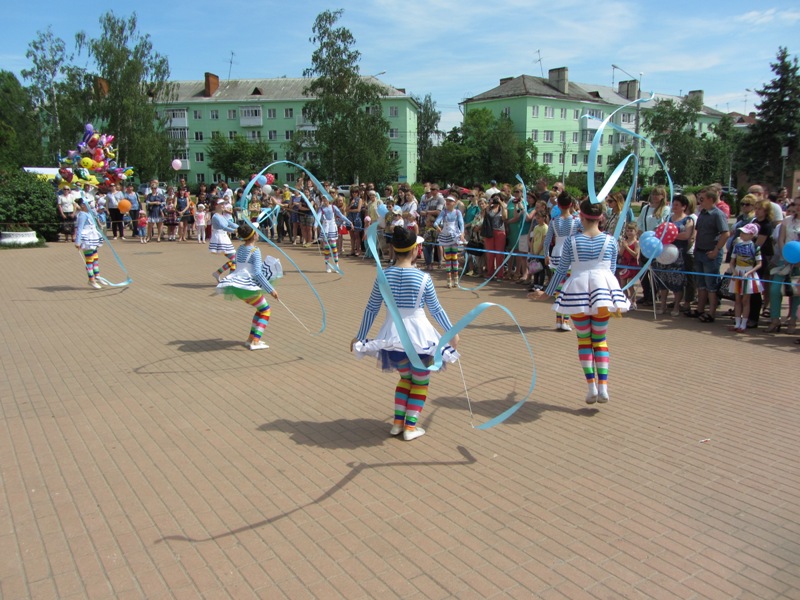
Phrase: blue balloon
(791, 252)
(651, 246)
(261, 180)
(382, 210)
(646, 235)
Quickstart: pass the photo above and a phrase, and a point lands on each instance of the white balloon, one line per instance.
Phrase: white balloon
(267, 189)
(669, 254)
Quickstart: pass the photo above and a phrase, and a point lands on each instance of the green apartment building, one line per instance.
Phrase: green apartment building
(270, 110)
(549, 111)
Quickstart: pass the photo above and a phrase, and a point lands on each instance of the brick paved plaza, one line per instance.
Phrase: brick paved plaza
(147, 454)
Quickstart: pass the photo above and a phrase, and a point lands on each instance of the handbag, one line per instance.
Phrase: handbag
(487, 230)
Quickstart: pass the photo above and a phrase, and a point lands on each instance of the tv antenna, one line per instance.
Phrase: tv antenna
(230, 64)
(539, 53)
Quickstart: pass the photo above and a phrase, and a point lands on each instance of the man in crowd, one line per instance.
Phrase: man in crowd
(712, 233)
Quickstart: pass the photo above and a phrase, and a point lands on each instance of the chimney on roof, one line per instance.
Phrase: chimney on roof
(401, 90)
(505, 80)
(629, 89)
(752, 114)
(695, 94)
(212, 84)
(559, 79)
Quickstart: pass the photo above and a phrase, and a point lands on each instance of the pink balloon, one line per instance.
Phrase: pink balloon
(270, 178)
(177, 164)
(670, 235)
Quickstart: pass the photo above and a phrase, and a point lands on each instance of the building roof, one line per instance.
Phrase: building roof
(528, 85)
(253, 90)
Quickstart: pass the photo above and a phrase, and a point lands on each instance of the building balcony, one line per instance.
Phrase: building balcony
(257, 121)
(185, 166)
(178, 123)
(302, 123)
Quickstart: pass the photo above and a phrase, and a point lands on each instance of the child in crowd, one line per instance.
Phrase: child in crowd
(171, 219)
(744, 266)
(142, 227)
(200, 220)
(628, 257)
(538, 233)
(429, 235)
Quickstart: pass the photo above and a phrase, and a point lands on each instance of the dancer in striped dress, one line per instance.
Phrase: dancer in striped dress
(248, 283)
(560, 228)
(412, 290)
(88, 239)
(590, 294)
(220, 241)
(450, 224)
(329, 232)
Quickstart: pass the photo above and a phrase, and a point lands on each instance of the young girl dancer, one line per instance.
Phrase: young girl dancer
(88, 239)
(412, 290)
(329, 232)
(590, 294)
(560, 229)
(220, 240)
(248, 283)
(450, 224)
(745, 262)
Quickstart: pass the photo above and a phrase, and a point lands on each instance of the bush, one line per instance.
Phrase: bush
(27, 200)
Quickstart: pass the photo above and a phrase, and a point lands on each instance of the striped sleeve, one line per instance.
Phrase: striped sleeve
(370, 312)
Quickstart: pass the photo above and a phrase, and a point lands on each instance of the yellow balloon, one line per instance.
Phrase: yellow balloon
(87, 162)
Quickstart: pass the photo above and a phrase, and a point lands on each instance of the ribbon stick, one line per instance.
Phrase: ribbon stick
(408, 346)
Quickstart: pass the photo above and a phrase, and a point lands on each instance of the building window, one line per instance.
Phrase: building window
(231, 135)
(597, 114)
(576, 114)
(547, 158)
(200, 178)
(651, 161)
(394, 111)
(561, 158)
(231, 113)
(549, 112)
(249, 111)
(394, 154)
(176, 113)
(272, 113)
(179, 134)
(586, 159)
(562, 137)
(214, 135)
(626, 117)
(599, 160)
(290, 177)
(288, 134)
(506, 112)
(394, 134)
(548, 136)
(574, 159)
(217, 177)
(288, 113)
(198, 114)
(198, 136)
(254, 135)
(575, 137)
(199, 156)
(610, 138)
(701, 128)
(274, 156)
(272, 134)
(535, 111)
(214, 114)
(563, 113)
(535, 135)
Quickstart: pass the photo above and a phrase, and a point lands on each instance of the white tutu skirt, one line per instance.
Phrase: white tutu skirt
(745, 286)
(588, 291)
(220, 242)
(90, 238)
(388, 349)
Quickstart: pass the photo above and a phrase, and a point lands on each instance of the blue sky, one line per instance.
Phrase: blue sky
(454, 49)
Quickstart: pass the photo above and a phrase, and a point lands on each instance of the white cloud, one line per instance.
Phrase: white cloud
(772, 15)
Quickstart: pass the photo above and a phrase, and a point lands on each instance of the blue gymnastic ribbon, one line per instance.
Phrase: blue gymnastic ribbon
(524, 209)
(408, 346)
(128, 280)
(243, 205)
(617, 173)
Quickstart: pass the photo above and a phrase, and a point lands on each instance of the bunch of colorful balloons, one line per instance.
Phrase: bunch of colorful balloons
(92, 162)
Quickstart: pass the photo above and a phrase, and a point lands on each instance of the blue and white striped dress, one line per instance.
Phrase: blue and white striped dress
(412, 290)
(452, 225)
(220, 240)
(327, 220)
(86, 233)
(591, 285)
(561, 229)
(249, 275)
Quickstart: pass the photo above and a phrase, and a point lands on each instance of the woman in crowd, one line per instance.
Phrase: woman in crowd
(784, 273)
(652, 215)
(671, 277)
(354, 216)
(560, 228)
(615, 202)
(495, 245)
(765, 243)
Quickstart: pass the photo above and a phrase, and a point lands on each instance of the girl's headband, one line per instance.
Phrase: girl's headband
(591, 217)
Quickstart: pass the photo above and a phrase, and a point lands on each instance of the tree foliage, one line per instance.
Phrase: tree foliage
(19, 131)
(133, 77)
(352, 134)
(427, 126)
(778, 123)
(482, 149)
(672, 127)
(27, 199)
(238, 158)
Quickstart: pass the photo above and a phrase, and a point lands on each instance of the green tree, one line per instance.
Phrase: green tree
(778, 123)
(132, 77)
(19, 130)
(352, 134)
(671, 126)
(427, 125)
(718, 152)
(238, 158)
(27, 199)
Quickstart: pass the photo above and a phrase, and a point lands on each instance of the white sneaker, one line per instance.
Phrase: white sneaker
(328, 269)
(412, 434)
(591, 397)
(95, 285)
(565, 327)
(396, 429)
(258, 346)
(602, 397)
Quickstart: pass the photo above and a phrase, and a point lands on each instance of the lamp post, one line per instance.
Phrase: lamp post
(638, 114)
